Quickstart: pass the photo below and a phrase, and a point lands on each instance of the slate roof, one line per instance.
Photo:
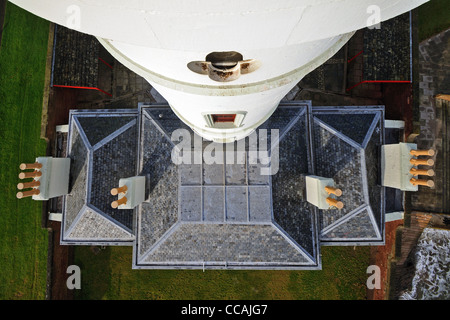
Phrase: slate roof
(387, 50)
(220, 215)
(346, 145)
(74, 67)
(225, 215)
(102, 148)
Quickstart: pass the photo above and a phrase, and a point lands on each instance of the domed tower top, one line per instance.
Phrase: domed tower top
(223, 66)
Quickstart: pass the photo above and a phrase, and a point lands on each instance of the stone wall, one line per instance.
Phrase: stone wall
(434, 121)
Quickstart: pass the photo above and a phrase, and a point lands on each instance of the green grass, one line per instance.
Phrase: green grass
(107, 275)
(23, 243)
(434, 17)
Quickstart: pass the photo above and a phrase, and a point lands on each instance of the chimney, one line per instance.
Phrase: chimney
(26, 166)
(331, 190)
(419, 182)
(26, 175)
(322, 193)
(26, 185)
(335, 203)
(119, 202)
(131, 192)
(51, 178)
(24, 194)
(116, 191)
(422, 162)
(399, 166)
(422, 172)
(417, 153)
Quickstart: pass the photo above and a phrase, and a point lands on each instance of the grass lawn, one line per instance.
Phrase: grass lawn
(23, 243)
(434, 17)
(107, 274)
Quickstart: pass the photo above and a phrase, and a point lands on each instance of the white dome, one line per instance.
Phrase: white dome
(158, 39)
(215, 25)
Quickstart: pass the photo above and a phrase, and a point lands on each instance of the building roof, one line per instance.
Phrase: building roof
(346, 146)
(100, 145)
(387, 50)
(78, 67)
(228, 214)
(217, 214)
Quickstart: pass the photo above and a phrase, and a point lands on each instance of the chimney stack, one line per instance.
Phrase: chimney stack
(26, 175)
(422, 162)
(51, 178)
(322, 192)
(419, 182)
(417, 153)
(331, 190)
(26, 166)
(116, 191)
(335, 203)
(422, 172)
(24, 194)
(26, 185)
(119, 202)
(131, 192)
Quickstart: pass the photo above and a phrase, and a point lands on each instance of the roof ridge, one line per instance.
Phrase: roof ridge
(371, 129)
(374, 223)
(344, 219)
(286, 129)
(100, 216)
(82, 134)
(294, 243)
(338, 134)
(158, 243)
(369, 215)
(110, 219)
(75, 221)
(85, 164)
(114, 135)
(158, 126)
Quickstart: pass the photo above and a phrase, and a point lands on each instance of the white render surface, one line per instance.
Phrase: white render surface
(394, 216)
(191, 95)
(62, 128)
(157, 39)
(55, 216)
(315, 191)
(54, 181)
(135, 191)
(395, 166)
(207, 25)
(394, 124)
(275, 61)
